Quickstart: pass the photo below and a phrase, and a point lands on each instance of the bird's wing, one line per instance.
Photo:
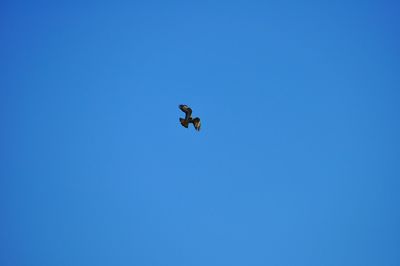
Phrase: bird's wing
(196, 123)
(186, 109)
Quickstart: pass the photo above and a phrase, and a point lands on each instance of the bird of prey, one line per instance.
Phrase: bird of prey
(188, 118)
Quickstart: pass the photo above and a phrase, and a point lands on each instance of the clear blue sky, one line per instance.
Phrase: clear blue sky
(297, 163)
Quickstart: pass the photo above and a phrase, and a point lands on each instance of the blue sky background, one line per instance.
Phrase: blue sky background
(297, 163)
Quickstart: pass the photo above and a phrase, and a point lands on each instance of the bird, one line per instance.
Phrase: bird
(188, 118)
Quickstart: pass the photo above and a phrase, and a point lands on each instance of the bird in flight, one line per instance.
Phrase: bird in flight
(188, 117)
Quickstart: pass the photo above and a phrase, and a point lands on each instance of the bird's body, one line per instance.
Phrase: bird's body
(188, 118)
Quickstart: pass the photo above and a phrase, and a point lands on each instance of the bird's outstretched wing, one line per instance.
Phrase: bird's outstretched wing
(196, 123)
(186, 109)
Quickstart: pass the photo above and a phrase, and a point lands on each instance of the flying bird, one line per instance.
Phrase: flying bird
(188, 118)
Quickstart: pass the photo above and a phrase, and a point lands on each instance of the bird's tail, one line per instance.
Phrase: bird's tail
(184, 122)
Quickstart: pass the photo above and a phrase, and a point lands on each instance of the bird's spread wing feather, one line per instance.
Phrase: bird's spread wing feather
(186, 109)
(196, 123)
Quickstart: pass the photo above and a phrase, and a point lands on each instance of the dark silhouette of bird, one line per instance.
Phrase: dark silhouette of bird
(188, 118)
